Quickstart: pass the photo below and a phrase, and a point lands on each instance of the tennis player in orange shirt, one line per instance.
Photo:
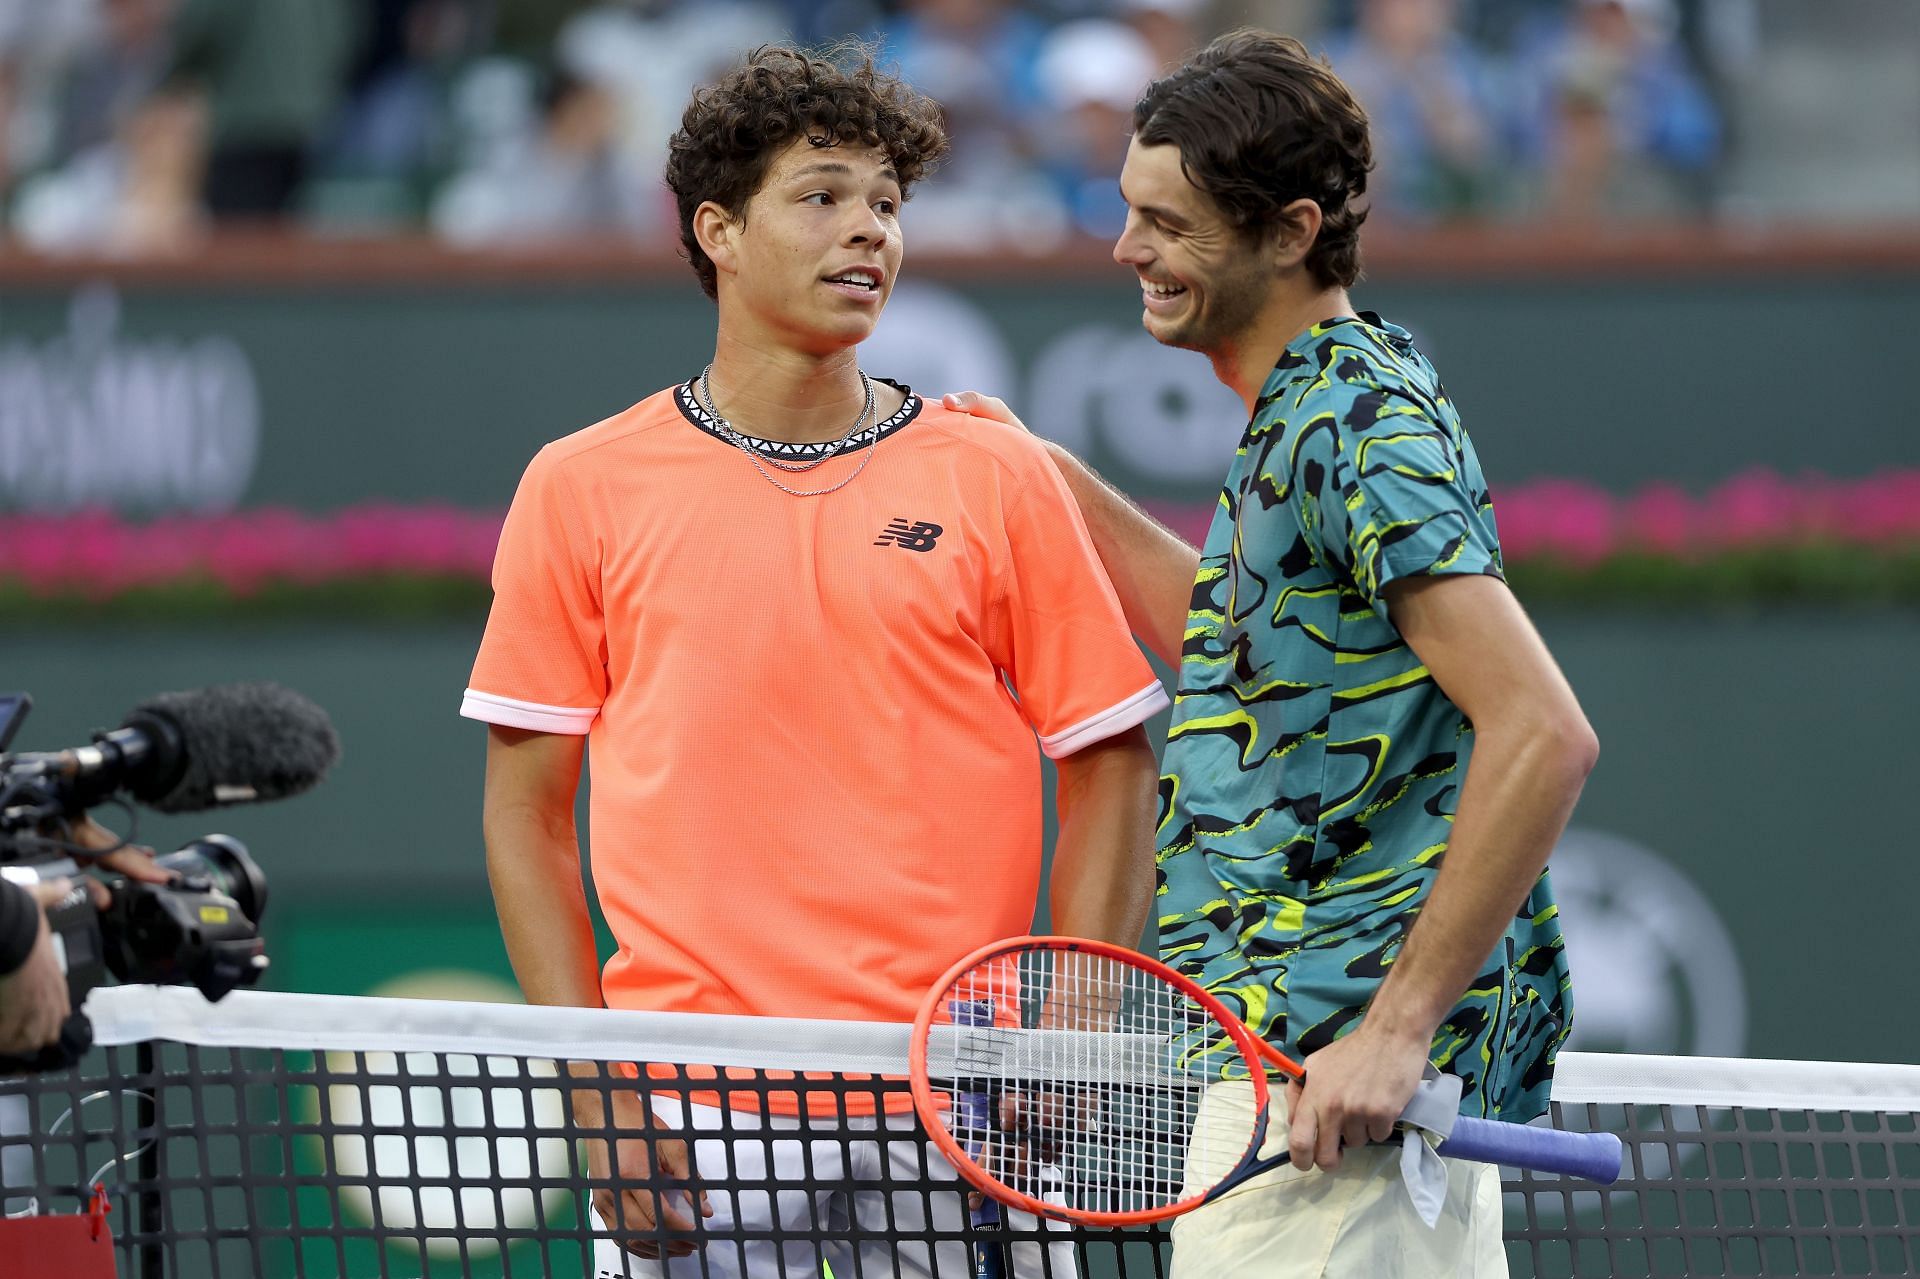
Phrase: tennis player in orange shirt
(812, 626)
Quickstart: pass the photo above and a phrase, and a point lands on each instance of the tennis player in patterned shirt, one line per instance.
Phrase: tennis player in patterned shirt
(791, 607)
(1372, 752)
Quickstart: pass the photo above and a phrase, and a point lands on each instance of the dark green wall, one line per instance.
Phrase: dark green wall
(443, 393)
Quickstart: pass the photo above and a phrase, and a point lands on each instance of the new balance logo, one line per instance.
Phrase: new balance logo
(918, 536)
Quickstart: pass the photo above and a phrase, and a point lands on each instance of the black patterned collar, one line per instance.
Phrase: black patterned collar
(689, 405)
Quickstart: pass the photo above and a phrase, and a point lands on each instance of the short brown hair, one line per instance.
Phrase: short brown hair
(1260, 123)
(733, 129)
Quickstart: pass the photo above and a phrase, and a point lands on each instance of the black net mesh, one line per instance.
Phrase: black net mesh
(223, 1162)
(271, 1162)
(1728, 1190)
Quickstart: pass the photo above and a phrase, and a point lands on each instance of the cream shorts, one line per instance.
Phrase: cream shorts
(1354, 1223)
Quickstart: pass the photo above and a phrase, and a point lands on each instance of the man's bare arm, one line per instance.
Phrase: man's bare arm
(533, 864)
(1532, 752)
(1102, 885)
(1152, 568)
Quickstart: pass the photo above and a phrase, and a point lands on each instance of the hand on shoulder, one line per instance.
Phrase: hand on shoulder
(993, 409)
(978, 405)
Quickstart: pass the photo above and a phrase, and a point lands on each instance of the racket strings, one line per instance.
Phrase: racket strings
(1083, 1082)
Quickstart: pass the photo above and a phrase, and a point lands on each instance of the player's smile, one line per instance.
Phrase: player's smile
(865, 284)
(1162, 297)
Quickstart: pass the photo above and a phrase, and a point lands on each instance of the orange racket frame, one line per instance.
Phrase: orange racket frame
(932, 1109)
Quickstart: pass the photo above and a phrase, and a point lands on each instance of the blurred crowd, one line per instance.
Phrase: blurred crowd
(137, 125)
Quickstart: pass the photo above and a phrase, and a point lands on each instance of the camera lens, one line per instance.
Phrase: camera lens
(223, 861)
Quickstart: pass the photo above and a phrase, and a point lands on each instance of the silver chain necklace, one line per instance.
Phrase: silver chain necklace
(704, 390)
(704, 397)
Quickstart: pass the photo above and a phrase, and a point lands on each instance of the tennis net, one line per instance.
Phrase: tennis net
(346, 1138)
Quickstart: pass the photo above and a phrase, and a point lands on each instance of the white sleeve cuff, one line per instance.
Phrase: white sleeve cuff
(1118, 718)
(510, 712)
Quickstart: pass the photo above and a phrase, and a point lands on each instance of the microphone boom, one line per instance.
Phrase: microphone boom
(236, 744)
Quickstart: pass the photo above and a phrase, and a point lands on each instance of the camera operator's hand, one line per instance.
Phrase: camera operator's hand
(33, 997)
(134, 861)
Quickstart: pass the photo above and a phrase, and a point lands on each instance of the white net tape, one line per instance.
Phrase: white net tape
(253, 1019)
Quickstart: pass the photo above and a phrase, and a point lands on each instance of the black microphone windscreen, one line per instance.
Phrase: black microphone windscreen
(242, 742)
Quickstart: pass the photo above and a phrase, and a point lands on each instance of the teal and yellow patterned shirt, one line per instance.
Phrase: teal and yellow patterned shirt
(1313, 766)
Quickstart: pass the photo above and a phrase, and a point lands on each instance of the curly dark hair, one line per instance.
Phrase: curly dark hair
(1261, 123)
(732, 130)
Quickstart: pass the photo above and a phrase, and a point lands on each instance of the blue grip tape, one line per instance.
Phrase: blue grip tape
(1592, 1156)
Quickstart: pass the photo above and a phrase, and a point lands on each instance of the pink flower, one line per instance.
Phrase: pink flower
(1563, 518)
(1661, 519)
(1883, 508)
(1754, 508)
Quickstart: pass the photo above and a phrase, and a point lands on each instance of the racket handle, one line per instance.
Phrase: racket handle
(1593, 1156)
(989, 1258)
(976, 1112)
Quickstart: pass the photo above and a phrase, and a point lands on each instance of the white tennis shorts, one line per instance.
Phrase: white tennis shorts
(836, 1184)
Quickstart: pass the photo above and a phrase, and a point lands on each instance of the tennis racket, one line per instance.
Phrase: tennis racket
(1083, 1095)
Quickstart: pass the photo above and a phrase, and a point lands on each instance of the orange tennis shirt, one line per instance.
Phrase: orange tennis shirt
(812, 721)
